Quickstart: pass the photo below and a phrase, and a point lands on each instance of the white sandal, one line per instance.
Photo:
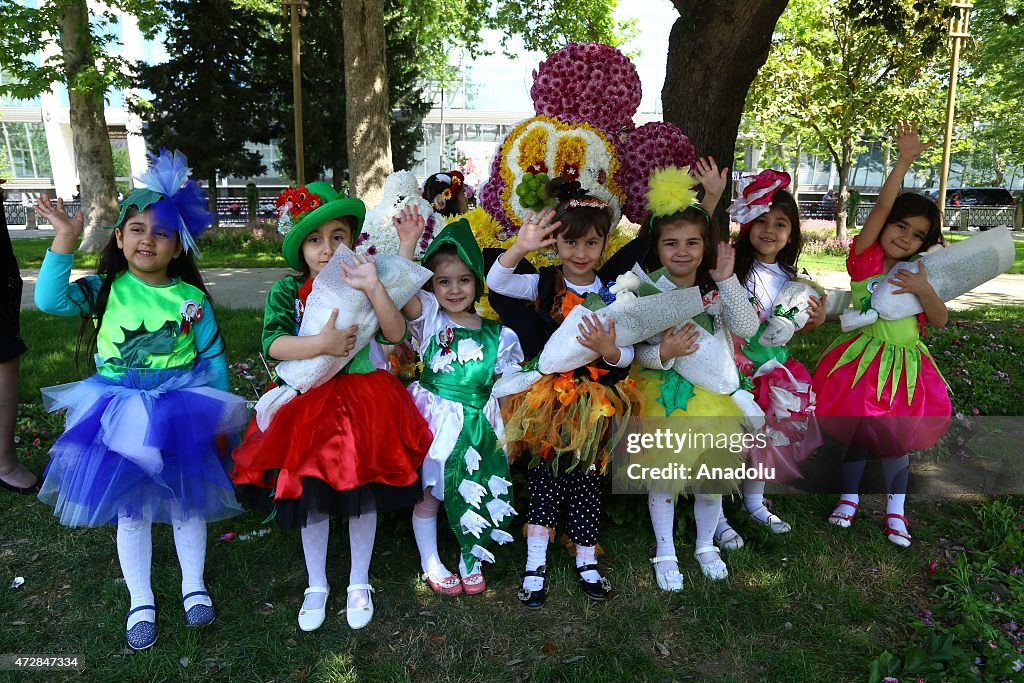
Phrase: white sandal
(729, 539)
(670, 581)
(312, 619)
(358, 617)
(774, 523)
(714, 570)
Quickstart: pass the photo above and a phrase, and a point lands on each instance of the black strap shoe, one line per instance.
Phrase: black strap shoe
(534, 599)
(595, 590)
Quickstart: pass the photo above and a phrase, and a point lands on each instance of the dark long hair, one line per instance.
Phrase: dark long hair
(787, 257)
(112, 264)
(910, 204)
(577, 220)
(695, 216)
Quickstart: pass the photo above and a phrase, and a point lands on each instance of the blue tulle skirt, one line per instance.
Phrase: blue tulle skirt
(151, 445)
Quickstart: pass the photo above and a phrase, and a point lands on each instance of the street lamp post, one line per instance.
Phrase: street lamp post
(958, 32)
(297, 6)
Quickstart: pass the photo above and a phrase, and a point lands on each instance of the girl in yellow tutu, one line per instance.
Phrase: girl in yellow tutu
(685, 253)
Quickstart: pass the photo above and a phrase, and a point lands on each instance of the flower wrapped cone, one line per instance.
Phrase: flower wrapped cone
(790, 313)
(635, 320)
(952, 271)
(401, 279)
(711, 366)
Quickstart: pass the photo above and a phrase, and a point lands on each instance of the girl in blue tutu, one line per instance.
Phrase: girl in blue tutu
(145, 438)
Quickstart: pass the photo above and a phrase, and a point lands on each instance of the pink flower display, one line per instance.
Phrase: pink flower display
(588, 82)
(650, 147)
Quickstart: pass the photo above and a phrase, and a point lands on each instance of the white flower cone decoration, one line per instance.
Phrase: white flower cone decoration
(472, 523)
(500, 536)
(499, 486)
(401, 189)
(400, 277)
(499, 510)
(472, 460)
(481, 553)
(472, 492)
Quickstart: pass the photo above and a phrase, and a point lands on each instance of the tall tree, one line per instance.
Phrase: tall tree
(848, 70)
(323, 88)
(367, 110)
(75, 55)
(206, 100)
(714, 52)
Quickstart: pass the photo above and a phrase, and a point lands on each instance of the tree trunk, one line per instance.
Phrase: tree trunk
(796, 170)
(367, 110)
(714, 52)
(211, 197)
(997, 166)
(844, 192)
(89, 136)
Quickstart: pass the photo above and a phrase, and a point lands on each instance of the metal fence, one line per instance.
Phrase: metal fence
(17, 213)
(956, 217)
(230, 211)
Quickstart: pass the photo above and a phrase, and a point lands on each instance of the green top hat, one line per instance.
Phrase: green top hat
(309, 207)
(460, 234)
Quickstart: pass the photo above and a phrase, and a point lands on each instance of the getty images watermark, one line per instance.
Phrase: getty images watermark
(688, 457)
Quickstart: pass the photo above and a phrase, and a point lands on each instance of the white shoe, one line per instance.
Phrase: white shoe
(312, 619)
(729, 539)
(774, 523)
(714, 569)
(358, 617)
(670, 581)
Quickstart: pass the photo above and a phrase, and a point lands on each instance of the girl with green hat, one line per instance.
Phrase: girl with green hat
(462, 353)
(331, 452)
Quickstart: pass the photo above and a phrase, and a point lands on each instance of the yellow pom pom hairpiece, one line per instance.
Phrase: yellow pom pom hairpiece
(671, 189)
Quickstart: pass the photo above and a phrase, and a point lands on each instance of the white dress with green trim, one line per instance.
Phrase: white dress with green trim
(466, 465)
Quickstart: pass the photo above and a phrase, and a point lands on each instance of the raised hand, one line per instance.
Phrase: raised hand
(706, 171)
(725, 262)
(681, 342)
(908, 141)
(910, 282)
(536, 231)
(361, 273)
(335, 342)
(409, 224)
(595, 337)
(67, 229)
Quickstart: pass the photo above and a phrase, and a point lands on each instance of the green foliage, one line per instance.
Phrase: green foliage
(210, 57)
(323, 86)
(841, 72)
(32, 31)
(971, 630)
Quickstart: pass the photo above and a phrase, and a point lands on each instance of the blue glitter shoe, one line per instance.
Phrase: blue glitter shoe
(199, 615)
(142, 635)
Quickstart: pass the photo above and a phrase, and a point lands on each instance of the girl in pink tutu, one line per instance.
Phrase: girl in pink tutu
(766, 254)
(878, 389)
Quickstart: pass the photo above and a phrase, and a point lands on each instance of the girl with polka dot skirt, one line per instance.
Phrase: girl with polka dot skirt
(562, 421)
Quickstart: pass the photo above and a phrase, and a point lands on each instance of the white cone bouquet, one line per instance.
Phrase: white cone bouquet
(952, 271)
(636, 319)
(401, 279)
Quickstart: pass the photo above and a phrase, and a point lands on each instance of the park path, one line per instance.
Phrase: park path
(248, 287)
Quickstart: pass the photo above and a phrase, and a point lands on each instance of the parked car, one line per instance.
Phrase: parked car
(976, 207)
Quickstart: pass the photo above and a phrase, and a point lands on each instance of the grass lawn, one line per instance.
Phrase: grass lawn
(819, 604)
(30, 252)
